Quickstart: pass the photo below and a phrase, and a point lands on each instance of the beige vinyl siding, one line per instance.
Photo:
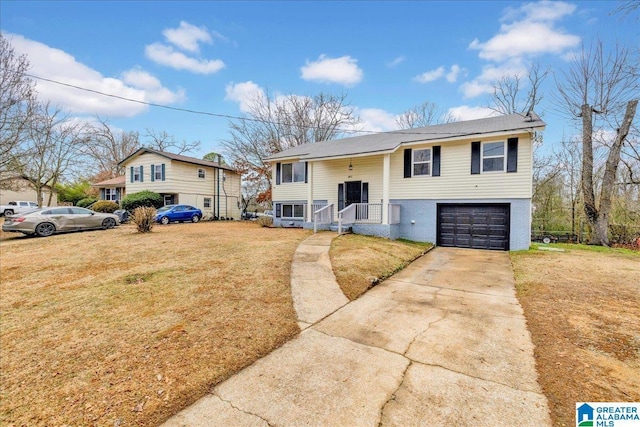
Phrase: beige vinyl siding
(287, 190)
(329, 173)
(456, 181)
(22, 191)
(146, 160)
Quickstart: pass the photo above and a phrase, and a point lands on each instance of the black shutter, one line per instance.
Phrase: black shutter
(102, 193)
(131, 174)
(277, 206)
(512, 155)
(435, 171)
(277, 173)
(407, 162)
(475, 157)
(141, 174)
(306, 174)
(163, 171)
(340, 197)
(153, 170)
(365, 192)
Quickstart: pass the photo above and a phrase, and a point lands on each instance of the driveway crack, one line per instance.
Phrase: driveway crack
(242, 410)
(392, 397)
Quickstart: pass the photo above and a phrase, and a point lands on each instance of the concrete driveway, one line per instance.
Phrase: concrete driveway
(442, 343)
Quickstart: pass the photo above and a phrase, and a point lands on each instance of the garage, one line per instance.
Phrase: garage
(476, 226)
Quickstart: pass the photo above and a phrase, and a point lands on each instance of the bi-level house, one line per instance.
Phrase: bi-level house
(464, 184)
(210, 186)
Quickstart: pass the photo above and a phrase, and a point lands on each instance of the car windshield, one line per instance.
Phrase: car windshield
(164, 209)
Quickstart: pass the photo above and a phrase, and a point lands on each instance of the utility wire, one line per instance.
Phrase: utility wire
(226, 116)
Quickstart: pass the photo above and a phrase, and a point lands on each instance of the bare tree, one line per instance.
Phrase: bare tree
(107, 147)
(604, 84)
(275, 124)
(53, 147)
(17, 101)
(425, 114)
(162, 141)
(509, 96)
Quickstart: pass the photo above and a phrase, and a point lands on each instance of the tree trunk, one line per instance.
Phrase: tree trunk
(590, 209)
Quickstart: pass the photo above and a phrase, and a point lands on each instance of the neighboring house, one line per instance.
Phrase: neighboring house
(14, 188)
(112, 189)
(464, 184)
(210, 186)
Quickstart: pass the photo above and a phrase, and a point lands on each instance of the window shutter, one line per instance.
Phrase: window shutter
(512, 155)
(365, 192)
(407, 163)
(131, 174)
(141, 174)
(306, 174)
(435, 170)
(277, 206)
(118, 193)
(102, 191)
(475, 158)
(340, 197)
(163, 171)
(153, 170)
(277, 173)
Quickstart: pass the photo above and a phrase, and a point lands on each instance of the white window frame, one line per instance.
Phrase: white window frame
(428, 162)
(157, 172)
(293, 210)
(503, 156)
(300, 172)
(207, 202)
(110, 194)
(137, 174)
(202, 173)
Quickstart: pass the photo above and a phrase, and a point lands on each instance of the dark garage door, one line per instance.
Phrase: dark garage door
(477, 226)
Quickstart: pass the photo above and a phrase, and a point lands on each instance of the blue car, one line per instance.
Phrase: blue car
(179, 213)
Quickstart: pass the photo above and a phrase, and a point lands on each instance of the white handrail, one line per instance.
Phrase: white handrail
(323, 215)
(348, 214)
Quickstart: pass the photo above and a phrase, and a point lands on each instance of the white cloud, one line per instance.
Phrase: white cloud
(395, 62)
(343, 70)
(464, 112)
(187, 37)
(57, 65)
(452, 75)
(376, 119)
(166, 55)
(483, 83)
(430, 76)
(532, 32)
(244, 94)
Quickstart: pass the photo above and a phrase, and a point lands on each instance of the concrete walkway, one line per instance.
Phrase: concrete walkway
(442, 343)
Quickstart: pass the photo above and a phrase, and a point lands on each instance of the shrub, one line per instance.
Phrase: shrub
(265, 221)
(142, 198)
(105, 206)
(87, 201)
(142, 217)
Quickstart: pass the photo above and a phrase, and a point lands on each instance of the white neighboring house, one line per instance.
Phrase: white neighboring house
(464, 184)
(14, 188)
(211, 186)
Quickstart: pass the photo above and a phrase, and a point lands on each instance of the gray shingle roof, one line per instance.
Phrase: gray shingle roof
(390, 141)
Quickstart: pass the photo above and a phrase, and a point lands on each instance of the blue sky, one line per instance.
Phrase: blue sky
(212, 56)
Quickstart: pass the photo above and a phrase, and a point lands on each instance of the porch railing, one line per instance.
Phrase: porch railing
(394, 214)
(346, 216)
(322, 215)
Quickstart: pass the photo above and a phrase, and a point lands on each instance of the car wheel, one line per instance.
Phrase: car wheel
(195, 218)
(546, 240)
(165, 220)
(8, 212)
(45, 229)
(108, 223)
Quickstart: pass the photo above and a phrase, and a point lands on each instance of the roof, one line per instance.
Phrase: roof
(118, 181)
(390, 141)
(178, 157)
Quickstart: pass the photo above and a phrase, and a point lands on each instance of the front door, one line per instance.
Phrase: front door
(353, 193)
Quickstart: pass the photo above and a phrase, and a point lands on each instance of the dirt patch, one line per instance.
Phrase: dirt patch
(583, 311)
(359, 262)
(119, 328)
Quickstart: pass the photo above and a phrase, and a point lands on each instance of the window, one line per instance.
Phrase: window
(422, 162)
(200, 173)
(110, 194)
(207, 202)
(157, 173)
(292, 172)
(493, 157)
(137, 173)
(292, 210)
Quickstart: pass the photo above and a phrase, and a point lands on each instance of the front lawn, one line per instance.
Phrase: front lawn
(583, 311)
(118, 328)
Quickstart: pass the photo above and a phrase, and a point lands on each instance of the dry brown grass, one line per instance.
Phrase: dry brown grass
(120, 328)
(583, 311)
(361, 261)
